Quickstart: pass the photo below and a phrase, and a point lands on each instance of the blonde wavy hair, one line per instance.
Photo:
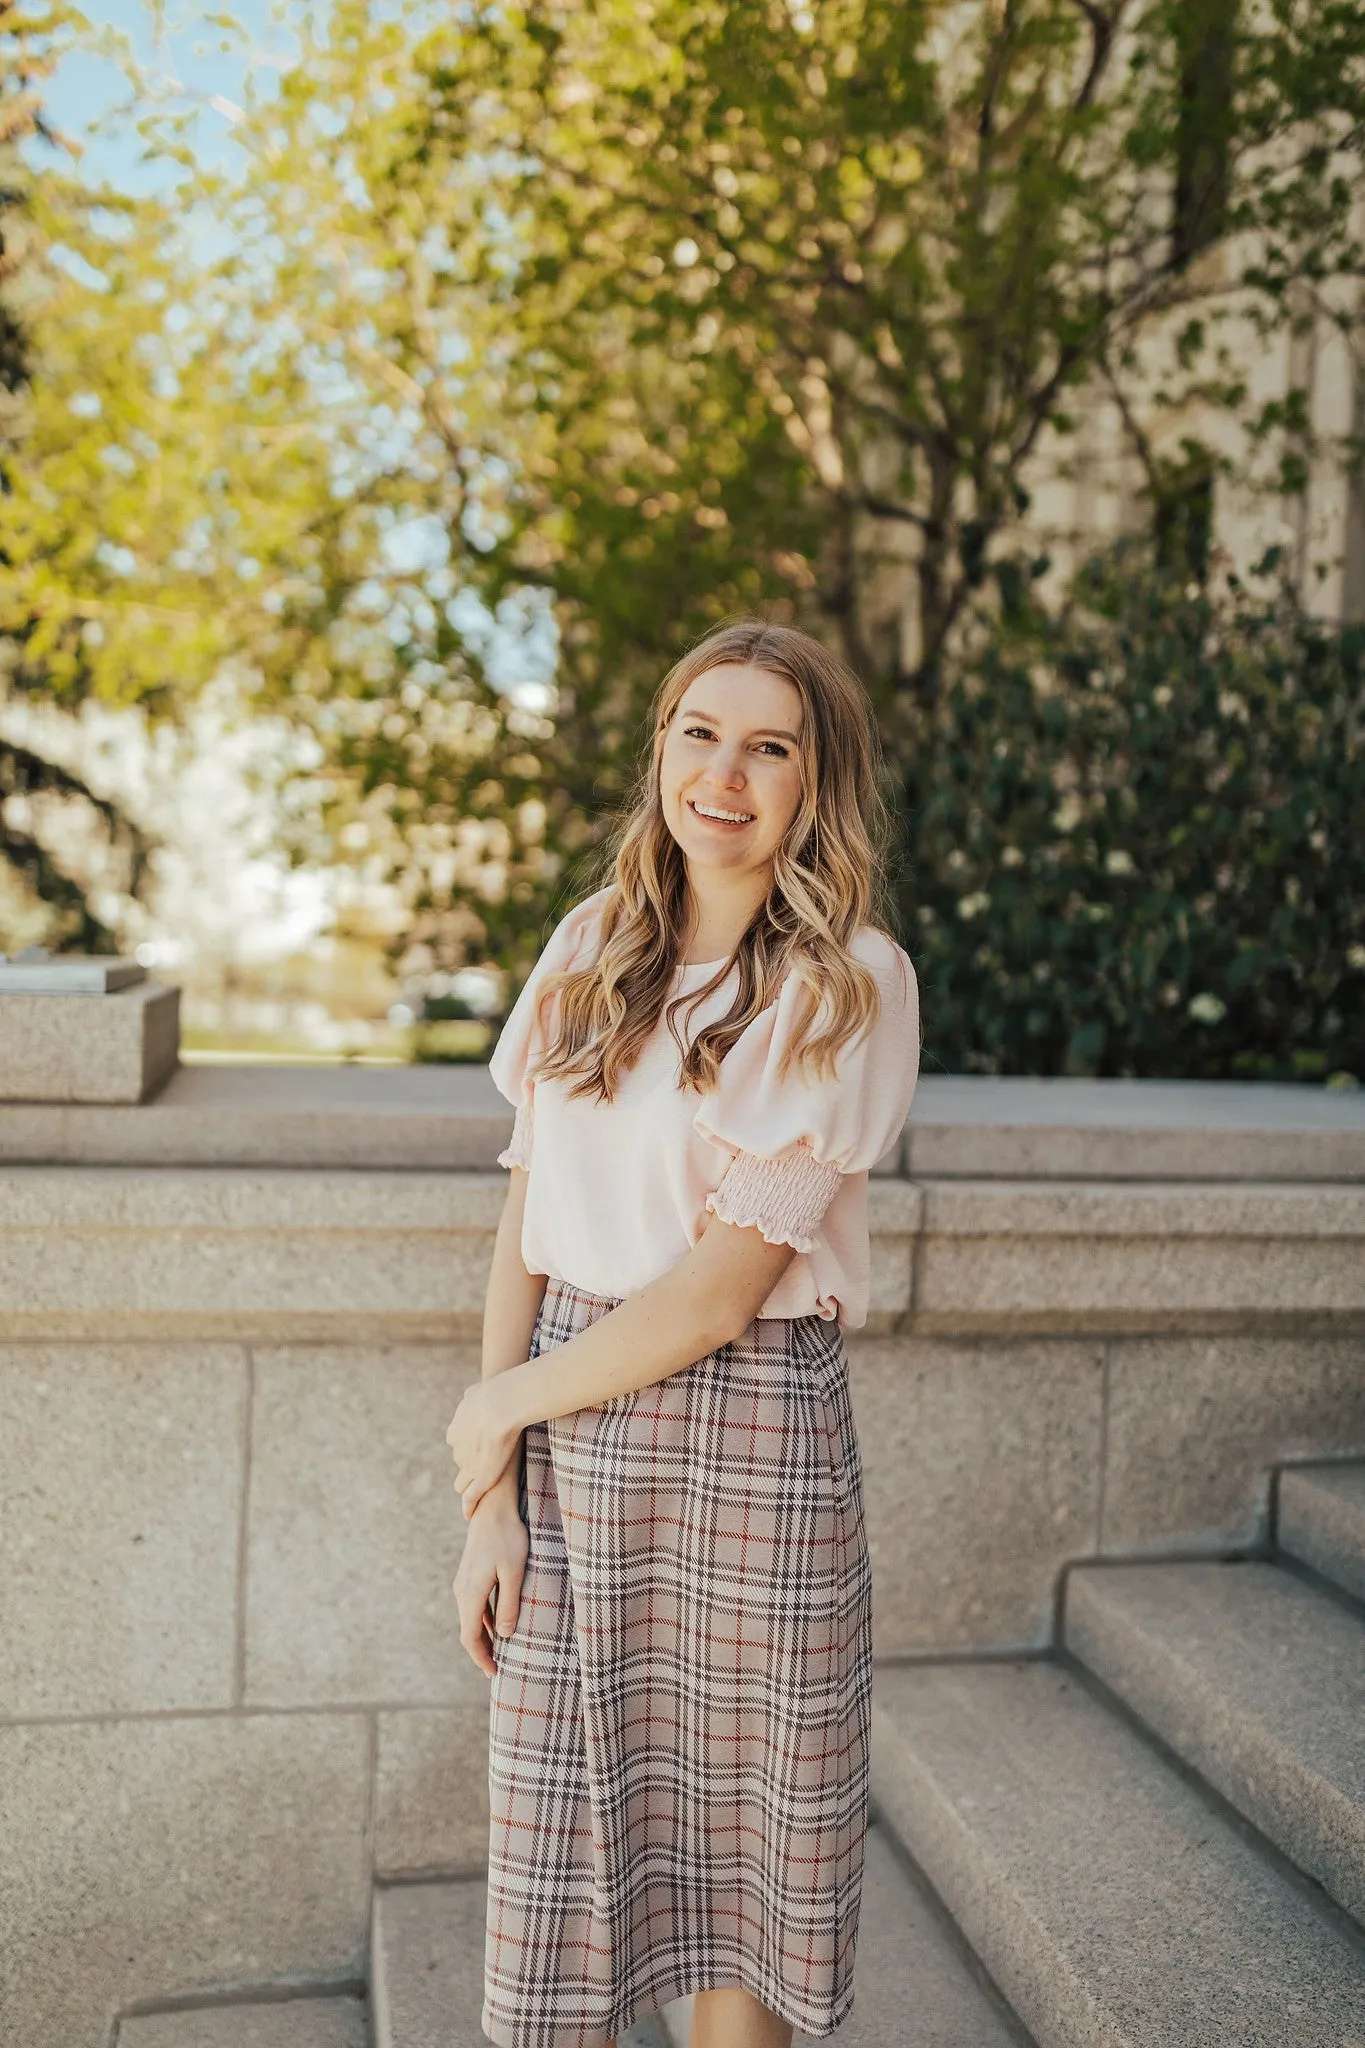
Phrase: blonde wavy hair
(828, 882)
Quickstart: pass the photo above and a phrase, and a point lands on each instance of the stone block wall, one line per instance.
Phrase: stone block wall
(232, 1691)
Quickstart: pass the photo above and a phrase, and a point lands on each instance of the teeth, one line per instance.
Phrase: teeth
(730, 817)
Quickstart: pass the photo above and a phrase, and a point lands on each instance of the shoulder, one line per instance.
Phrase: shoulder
(896, 1022)
(891, 965)
(879, 951)
(572, 937)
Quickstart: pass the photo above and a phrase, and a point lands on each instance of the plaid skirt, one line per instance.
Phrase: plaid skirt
(679, 1741)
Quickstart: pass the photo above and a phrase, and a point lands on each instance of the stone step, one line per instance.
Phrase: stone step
(1255, 1679)
(913, 1982)
(282, 2023)
(1321, 1521)
(1112, 1906)
(427, 1969)
(426, 1982)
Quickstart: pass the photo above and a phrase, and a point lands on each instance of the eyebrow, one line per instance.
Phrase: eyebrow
(760, 732)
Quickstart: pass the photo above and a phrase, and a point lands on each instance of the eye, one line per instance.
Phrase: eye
(705, 732)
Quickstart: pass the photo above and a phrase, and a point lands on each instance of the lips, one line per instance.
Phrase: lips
(721, 824)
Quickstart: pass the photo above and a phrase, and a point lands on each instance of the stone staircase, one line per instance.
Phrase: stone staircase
(1153, 1837)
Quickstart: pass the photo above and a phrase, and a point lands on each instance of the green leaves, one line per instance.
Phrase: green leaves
(1152, 804)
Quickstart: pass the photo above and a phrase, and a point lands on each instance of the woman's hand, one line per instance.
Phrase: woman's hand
(482, 1436)
(487, 1586)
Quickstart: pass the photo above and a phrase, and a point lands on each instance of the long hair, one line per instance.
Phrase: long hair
(828, 882)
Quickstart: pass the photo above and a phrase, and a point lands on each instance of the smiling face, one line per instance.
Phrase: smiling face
(730, 768)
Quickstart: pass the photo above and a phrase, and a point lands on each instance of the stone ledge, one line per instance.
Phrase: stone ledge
(276, 1254)
(1060, 1209)
(96, 1049)
(1050, 1256)
(192, 1201)
(1020, 1128)
(453, 1118)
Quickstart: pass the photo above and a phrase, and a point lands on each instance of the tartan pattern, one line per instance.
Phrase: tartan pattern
(679, 1741)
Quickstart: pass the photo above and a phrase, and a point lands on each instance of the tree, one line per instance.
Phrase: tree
(611, 319)
(30, 783)
(917, 231)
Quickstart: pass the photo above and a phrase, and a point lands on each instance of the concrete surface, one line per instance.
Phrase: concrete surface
(912, 1980)
(100, 1049)
(1195, 1425)
(229, 1533)
(147, 1858)
(431, 1788)
(354, 1529)
(268, 1254)
(120, 1507)
(452, 1117)
(272, 1254)
(423, 1118)
(1055, 1255)
(982, 1470)
(1112, 1906)
(1321, 1519)
(1021, 1128)
(428, 1969)
(1254, 1679)
(426, 1987)
(291, 2023)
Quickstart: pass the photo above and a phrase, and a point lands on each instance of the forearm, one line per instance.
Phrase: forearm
(511, 1304)
(705, 1301)
(647, 1337)
(709, 1297)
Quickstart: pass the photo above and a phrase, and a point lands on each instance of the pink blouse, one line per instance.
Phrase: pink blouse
(618, 1192)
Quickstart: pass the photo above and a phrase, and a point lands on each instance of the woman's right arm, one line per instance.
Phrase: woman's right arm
(496, 1545)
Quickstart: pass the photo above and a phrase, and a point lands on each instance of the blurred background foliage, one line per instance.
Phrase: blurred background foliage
(1134, 834)
(520, 344)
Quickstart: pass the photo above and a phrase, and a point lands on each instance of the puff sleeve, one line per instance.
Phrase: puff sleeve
(520, 1041)
(792, 1139)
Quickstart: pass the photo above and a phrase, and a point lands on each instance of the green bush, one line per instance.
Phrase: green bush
(1136, 836)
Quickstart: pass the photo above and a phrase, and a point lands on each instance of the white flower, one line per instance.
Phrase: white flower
(1208, 1009)
(968, 906)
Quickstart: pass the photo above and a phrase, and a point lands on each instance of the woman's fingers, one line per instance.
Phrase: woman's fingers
(509, 1600)
(472, 1633)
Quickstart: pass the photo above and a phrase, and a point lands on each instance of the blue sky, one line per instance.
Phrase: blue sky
(185, 53)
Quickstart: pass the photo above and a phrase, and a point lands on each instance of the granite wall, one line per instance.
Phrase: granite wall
(232, 1691)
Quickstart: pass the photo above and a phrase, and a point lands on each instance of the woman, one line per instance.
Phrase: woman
(671, 1591)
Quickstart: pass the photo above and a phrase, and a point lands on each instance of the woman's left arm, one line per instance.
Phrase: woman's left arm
(707, 1299)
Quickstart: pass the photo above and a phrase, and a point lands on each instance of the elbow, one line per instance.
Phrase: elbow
(720, 1316)
(727, 1312)
(720, 1330)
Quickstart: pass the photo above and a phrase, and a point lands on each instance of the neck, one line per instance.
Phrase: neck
(720, 910)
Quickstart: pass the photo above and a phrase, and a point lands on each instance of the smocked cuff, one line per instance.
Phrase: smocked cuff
(785, 1197)
(518, 1152)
